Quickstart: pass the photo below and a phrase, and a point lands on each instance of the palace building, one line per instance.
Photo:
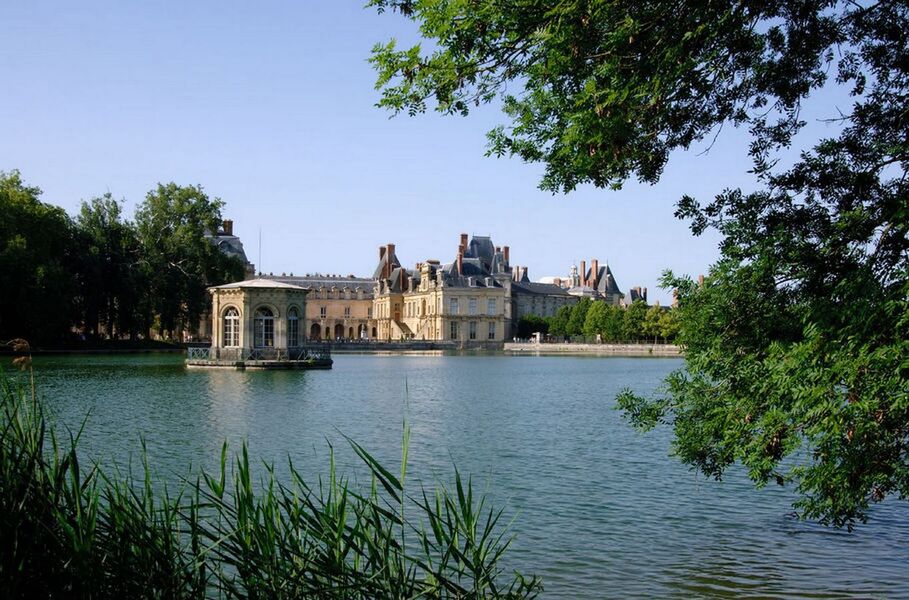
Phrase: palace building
(338, 307)
(476, 299)
(467, 300)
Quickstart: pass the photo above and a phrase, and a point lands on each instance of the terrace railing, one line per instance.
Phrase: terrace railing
(313, 351)
(198, 353)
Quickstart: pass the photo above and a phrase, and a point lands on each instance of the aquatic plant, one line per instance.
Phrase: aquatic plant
(69, 529)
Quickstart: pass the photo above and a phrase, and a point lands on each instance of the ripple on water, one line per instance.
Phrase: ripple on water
(601, 511)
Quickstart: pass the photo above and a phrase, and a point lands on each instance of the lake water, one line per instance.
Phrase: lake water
(601, 510)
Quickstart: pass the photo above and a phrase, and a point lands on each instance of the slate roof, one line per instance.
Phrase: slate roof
(384, 260)
(482, 248)
(605, 285)
(230, 245)
(320, 281)
(540, 289)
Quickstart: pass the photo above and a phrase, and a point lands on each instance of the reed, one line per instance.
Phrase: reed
(70, 529)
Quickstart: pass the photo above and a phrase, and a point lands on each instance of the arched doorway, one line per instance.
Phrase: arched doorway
(264, 328)
(339, 331)
(374, 333)
(315, 332)
(361, 332)
(350, 333)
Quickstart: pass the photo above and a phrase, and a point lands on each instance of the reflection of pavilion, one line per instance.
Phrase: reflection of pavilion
(258, 323)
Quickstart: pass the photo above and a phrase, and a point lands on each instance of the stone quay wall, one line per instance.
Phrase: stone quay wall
(662, 350)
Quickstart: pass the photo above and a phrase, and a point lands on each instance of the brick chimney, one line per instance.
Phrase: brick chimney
(594, 272)
(228, 227)
(460, 263)
(700, 280)
(463, 246)
(381, 252)
(583, 272)
(506, 250)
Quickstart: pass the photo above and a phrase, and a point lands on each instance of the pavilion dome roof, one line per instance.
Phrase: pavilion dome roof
(259, 283)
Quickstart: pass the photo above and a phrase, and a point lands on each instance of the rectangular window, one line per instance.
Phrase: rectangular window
(293, 333)
(346, 312)
(491, 306)
(473, 330)
(323, 311)
(232, 332)
(453, 306)
(492, 331)
(454, 330)
(472, 306)
(265, 333)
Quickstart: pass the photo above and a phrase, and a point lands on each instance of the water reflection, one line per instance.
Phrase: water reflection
(601, 510)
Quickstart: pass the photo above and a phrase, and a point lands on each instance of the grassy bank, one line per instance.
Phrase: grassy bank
(72, 529)
(96, 347)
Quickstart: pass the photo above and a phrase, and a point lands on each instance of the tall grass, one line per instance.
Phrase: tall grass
(68, 529)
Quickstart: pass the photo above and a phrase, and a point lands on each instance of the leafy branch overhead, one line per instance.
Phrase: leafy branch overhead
(796, 343)
(602, 91)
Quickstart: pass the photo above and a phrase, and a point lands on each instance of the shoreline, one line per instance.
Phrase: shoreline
(416, 347)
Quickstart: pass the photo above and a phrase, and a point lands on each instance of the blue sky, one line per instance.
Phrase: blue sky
(271, 108)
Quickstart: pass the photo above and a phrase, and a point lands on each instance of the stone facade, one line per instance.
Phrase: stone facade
(467, 301)
(338, 307)
(540, 299)
(257, 314)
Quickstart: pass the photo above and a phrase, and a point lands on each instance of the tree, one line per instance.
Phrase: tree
(633, 321)
(578, 316)
(36, 264)
(669, 325)
(796, 342)
(174, 224)
(594, 323)
(558, 324)
(111, 282)
(530, 324)
(653, 322)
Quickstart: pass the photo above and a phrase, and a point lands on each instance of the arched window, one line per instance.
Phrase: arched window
(264, 327)
(231, 328)
(293, 328)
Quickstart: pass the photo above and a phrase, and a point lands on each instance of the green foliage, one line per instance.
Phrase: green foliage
(71, 531)
(633, 320)
(102, 274)
(172, 224)
(530, 324)
(796, 345)
(578, 316)
(36, 263)
(601, 91)
(558, 324)
(111, 280)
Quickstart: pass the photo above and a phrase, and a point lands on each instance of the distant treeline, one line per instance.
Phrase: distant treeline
(99, 275)
(590, 318)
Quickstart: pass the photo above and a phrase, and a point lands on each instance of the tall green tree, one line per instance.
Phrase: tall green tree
(112, 288)
(796, 344)
(578, 317)
(633, 321)
(174, 225)
(558, 323)
(652, 326)
(595, 321)
(36, 264)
